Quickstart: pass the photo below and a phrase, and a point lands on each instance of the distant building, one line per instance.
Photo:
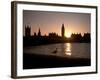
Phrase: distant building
(27, 31)
(63, 31)
(34, 33)
(39, 32)
(87, 37)
(53, 34)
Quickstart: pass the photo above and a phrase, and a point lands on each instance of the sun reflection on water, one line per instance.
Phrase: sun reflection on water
(68, 49)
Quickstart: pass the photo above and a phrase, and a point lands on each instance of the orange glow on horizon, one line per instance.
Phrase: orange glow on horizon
(68, 34)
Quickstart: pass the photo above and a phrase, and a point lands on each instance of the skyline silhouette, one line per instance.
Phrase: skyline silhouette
(63, 34)
(53, 37)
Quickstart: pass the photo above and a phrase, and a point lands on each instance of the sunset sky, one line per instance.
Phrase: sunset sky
(52, 21)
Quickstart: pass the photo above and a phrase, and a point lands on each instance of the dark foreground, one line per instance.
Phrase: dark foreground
(33, 61)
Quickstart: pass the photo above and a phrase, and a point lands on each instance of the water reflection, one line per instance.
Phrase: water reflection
(68, 49)
(72, 50)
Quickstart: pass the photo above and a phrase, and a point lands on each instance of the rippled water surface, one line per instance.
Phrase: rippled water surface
(72, 50)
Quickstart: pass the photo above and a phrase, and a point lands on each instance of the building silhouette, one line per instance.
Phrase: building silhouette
(35, 34)
(39, 32)
(63, 31)
(53, 37)
(87, 37)
(27, 31)
(53, 34)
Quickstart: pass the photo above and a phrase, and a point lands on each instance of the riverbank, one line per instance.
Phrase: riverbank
(33, 61)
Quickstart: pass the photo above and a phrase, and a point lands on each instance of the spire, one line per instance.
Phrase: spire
(39, 32)
(63, 31)
(27, 30)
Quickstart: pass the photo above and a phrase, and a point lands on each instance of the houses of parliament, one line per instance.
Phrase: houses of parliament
(28, 32)
(51, 38)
